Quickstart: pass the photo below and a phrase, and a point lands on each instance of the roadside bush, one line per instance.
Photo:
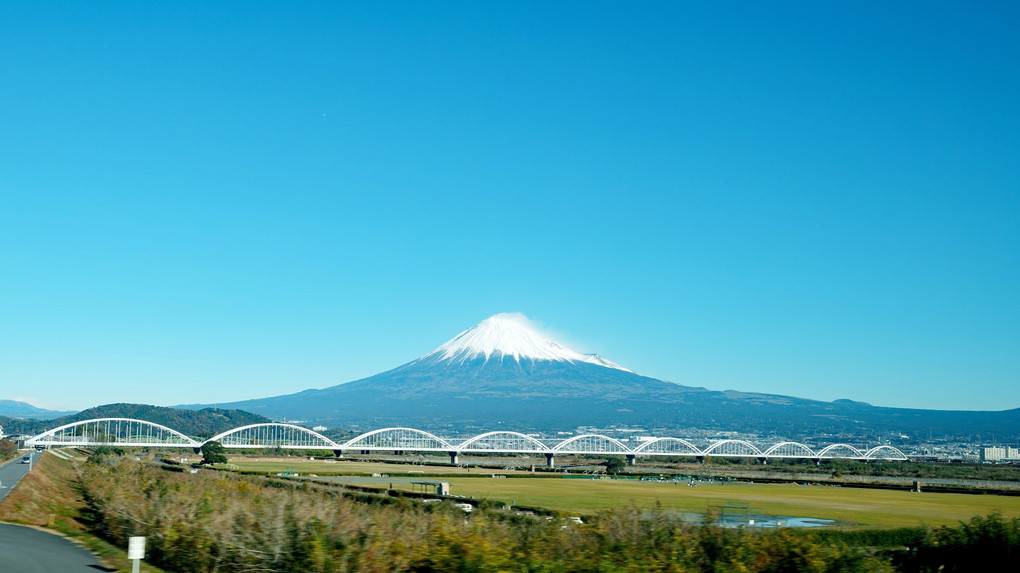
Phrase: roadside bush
(981, 544)
(8, 449)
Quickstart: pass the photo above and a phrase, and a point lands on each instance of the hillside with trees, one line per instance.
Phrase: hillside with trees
(203, 423)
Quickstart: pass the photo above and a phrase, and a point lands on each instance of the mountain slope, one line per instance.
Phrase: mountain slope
(503, 374)
(16, 409)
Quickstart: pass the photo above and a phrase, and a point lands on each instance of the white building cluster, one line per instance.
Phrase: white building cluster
(999, 453)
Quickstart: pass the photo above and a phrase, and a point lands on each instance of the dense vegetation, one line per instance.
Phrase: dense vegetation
(8, 450)
(927, 470)
(214, 453)
(224, 522)
(203, 423)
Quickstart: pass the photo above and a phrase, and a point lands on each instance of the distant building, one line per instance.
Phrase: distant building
(997, 453)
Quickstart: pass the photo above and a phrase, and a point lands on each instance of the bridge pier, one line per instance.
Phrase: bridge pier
(764, 461)
(338, 453)
(549, 461)
(630, 459)
(454, 458)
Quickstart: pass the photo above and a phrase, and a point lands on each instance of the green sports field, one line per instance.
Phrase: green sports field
(847, 506)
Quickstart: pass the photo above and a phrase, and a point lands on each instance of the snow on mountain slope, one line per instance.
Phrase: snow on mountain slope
(509, 335)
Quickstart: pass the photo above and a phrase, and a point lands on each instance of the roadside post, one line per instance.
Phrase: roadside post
(136, 552)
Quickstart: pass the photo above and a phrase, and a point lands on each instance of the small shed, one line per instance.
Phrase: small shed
(437, 487)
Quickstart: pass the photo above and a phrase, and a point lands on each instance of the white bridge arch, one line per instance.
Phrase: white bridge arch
(140, 433)
(841, 451)
(668, 447)
(113, 432)
(789, 450)
(274, 434)
(895, 453)
(502, 441)
(591, 444)
(398, 439)
(734, 449)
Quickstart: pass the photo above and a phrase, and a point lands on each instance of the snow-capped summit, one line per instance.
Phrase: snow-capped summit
(509, 335)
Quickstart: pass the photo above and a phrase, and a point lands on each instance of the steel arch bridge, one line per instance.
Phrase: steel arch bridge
(140, 433)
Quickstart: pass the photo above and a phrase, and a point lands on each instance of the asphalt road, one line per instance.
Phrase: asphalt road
(27, 550)
(13, 471)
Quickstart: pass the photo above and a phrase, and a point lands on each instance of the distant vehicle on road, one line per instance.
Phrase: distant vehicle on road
(26, 460)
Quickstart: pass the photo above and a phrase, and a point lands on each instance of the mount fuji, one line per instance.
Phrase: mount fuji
(502, 373)
(506, 336)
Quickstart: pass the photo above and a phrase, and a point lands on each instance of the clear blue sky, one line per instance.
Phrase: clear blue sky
(206, 202)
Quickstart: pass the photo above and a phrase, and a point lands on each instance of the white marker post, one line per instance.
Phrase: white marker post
(136, 552)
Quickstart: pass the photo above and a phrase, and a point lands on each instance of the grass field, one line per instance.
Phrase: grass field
(349, 467)
(848, 506)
